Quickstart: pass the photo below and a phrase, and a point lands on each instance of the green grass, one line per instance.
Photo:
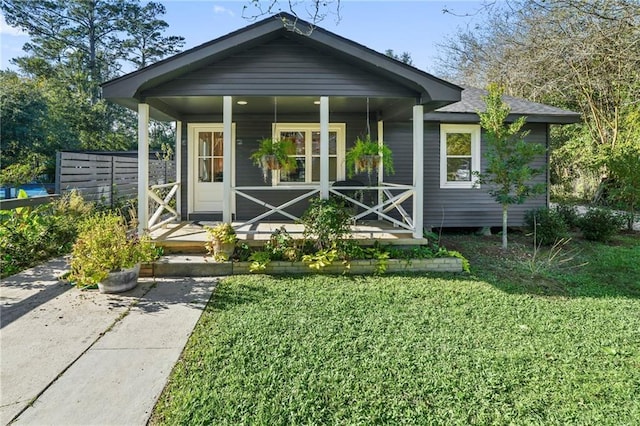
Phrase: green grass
(493, 347)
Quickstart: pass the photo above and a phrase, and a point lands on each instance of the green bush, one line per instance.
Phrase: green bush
(569, 215)
(326, 222)
(600, 224)
(31, 235)
(106, 243)
(547, 226)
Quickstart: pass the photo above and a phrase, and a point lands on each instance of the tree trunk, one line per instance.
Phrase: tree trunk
(504, 226)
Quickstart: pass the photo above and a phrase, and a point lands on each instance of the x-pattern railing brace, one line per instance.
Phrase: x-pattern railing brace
(163, 204)
(275, 209)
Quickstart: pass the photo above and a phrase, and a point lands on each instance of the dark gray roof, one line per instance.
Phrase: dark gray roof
(129, 89)
(472, 102)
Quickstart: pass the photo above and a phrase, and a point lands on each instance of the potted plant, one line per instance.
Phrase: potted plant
(365, 156)
(108, 253)
(222, 241)
(274, 155)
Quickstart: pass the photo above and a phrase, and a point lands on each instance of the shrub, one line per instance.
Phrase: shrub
(326, 222)
(600, 224)
(106, 244)
(569, 215)
(31, 235)
(548, 226)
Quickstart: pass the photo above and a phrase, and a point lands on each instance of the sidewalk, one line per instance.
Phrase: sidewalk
(80, 357)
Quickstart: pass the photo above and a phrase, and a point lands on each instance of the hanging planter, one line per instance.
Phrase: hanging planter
(365, 156)
(274, 155)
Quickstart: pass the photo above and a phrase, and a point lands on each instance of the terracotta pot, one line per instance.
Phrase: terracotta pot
(120, 281)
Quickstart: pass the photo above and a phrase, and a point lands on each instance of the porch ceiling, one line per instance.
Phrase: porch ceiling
(380, 108)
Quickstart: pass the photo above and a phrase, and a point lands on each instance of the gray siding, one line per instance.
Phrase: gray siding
(281, 67)
(442, 207)
(248, 131)
(453, 207)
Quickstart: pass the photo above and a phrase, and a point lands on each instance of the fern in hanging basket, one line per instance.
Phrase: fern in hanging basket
(365, 156)
(274, 155)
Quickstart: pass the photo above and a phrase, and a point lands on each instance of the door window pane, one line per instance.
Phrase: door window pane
(218, 144)
(210, 156)
(204, 170)
(204, 144)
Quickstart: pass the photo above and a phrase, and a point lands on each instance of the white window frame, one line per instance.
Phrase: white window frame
(308, 128)
(474, 130)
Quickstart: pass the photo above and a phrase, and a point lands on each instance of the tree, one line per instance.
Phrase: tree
(71, 36)
(577, 54)
(32, 121)
(146, 43)
(75, 46)
(314, 11)
(404, 57)
(508, 156)
(624, 188)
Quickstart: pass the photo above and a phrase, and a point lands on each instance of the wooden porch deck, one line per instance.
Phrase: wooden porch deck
(190, 237)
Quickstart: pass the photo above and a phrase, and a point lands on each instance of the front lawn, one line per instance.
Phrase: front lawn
(431, 349)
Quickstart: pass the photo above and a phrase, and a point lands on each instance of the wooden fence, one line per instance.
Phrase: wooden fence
(108, 179)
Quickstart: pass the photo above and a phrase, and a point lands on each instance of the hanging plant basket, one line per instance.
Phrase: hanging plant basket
(270, 162)
(366, 155)
(367, 163)
(274, 155)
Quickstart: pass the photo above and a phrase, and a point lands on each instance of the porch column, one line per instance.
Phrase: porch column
(380, 166)
(178, 154)
(143, 167)
(324, 147)
(227, 107)
(418, 169)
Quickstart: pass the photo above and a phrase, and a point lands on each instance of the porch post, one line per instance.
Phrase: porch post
(324, 147)
(418, 169)
(380, 166)
(178, 154)
(227, 107)
(143, 167)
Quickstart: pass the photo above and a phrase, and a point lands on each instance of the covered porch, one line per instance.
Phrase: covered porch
(318, 89)
(190, 236)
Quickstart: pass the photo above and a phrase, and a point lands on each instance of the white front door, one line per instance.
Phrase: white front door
(207, 167)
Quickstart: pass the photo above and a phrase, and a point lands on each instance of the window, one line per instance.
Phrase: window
(210, 159)
(459, 155)
(306, 138)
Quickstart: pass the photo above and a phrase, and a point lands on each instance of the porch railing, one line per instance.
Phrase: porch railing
(242, 191)
(391, 198)
(161, 203)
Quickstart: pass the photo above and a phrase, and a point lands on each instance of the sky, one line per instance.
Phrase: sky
(404, 26)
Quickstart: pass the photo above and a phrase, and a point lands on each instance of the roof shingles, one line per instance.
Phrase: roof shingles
(472, 102)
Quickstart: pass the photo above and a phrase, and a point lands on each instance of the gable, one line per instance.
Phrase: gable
(267, 59)
(282, 66)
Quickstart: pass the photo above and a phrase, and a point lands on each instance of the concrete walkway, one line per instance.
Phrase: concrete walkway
(80, 357)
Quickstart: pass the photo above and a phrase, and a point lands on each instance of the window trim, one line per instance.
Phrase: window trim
(339, 128)
(474, 130)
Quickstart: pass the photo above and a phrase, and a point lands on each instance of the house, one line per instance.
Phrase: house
(322, 91)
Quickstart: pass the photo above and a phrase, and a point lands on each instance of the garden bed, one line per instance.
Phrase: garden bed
(198, 266)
